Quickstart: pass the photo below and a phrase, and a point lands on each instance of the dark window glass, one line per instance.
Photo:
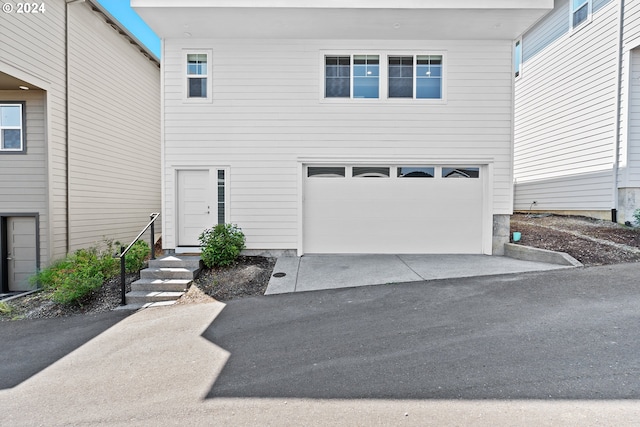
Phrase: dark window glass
(370, 172)
(337, 76)
(460, 172)
(580, 13)
(221, 190)
(400, 77)
(415, 172)
(197, 87)
(326, 171)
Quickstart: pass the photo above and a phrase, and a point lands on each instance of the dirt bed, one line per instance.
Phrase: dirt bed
(590, 241)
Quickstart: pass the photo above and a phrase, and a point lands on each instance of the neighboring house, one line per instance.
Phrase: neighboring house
(356, 126)
(79, 134)
(577, 111)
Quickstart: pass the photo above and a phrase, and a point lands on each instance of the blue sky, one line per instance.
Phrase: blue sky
(121, 10)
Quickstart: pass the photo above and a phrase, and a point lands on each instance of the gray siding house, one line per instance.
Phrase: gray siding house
(79, 134)
(577, 111)
(356, 126)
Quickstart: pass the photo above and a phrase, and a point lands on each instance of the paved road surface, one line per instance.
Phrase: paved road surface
(553, 348)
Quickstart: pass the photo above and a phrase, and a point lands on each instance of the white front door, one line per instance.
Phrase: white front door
(196, 205)
(21, 252)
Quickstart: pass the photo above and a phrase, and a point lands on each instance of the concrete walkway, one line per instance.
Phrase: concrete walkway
(317, 272)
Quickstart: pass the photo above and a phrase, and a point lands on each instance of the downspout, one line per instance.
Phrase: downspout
(618, 127)
(66, 120)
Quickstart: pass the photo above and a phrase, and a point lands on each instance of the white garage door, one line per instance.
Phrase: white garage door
(393, 209)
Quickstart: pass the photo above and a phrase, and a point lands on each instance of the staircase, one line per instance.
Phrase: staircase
(166, 280)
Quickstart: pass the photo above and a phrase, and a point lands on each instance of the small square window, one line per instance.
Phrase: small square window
(580, 12)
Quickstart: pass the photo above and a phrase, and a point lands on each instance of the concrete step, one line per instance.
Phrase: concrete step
(144, 297)
(191, 262)
(167, 273)
(158, 285)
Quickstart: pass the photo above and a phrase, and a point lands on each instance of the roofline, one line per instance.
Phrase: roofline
(116, 25)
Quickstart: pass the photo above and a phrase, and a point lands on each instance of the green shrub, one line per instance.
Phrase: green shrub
(5, 309)
(221, 245)
(636, 215)
(76, 276)
(134, 259)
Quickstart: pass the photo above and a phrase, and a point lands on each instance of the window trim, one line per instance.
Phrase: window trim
(23, 128)
(186, 76)
(383, 78)
(572, 12)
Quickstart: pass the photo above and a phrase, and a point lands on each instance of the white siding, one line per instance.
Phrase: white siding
(565, 120)
(267, 112)
(114, 128)
(629, 157)
(33, 45)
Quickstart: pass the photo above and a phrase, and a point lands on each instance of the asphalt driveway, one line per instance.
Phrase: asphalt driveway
(549, 348)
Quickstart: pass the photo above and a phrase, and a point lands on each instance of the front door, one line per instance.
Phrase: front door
(196, 208)
(21, 252)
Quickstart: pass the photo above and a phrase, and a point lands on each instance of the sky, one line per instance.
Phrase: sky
(121, 10)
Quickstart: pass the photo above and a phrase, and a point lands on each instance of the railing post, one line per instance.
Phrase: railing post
(122, 277)
(153, 241)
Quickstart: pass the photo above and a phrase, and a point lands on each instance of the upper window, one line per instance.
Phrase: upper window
(197, 75)
(11, 127)
(417, 77)
(198, 81)
(580, 12)
(364, 76)
(517, 58)
(356, 76)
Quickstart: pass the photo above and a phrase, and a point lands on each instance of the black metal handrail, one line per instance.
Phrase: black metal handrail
(124, 251)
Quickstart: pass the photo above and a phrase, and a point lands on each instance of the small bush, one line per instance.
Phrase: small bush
(134, 259)
(636, 215)
(221, 245)
(5, 309)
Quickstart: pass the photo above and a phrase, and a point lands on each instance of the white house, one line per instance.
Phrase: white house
(79, 133)
(358, 126)
(577, 111)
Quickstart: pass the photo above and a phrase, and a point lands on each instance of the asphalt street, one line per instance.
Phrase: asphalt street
(549, 348)
(555, 335)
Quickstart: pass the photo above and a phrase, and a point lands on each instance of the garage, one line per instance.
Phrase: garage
(394, 209)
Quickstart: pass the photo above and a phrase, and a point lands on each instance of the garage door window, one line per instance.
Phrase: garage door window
(370, 172)
(325, 172)
(415, 172)
(461, 172)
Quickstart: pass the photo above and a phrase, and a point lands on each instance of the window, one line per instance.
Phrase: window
(366, 76)
(517, 58)
(370, 172)
(405, 76)
(221, 197)
(12, 127)
(198, 82)
(427, 78)
(415, 172)
(460, 172)
(580, 12)
(326, 171)
(338, 76)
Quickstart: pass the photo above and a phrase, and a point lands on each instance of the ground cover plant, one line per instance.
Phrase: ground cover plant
(72, 278)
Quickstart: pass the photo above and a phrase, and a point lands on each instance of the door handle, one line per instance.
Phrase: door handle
(9, 258)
